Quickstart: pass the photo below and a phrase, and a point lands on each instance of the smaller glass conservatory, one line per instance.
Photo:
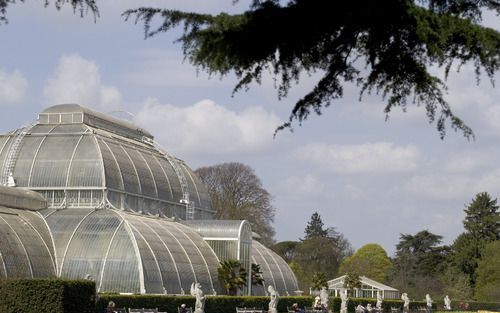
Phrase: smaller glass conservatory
(369, 288)
(26, 247)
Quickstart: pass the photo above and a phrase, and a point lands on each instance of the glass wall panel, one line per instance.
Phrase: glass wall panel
(206, 265)
(35, 219)
(24, 161)
(130, 179)
(3, 141)
(87, 249)
(14, 256)
(193, 191)
(224, 249)
(86, 168)
(152, 233)
(51, 164)
(36, 250)
(152, 276)
(62, 224)
(121, 269)
(148, 187)
(111, 169)
(116, 199)
(41, 129)
(151, 207)
(68, 129)
(275, 270)
(172, 177)
(162, 183)
(267, 273)
(182, 250)
(5, 150)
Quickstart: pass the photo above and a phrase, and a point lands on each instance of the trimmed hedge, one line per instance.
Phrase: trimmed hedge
(386, 304)
(473, 305)
(227, 304)
(47, 296)
(213, 304)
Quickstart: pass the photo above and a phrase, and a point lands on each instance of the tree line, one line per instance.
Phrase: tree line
(467, 269)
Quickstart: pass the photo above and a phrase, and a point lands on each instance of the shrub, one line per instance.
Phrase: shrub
(213, 304)
(386, 305)
(46, 296)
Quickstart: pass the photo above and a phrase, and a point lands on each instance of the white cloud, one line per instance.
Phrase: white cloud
(302, 187)
(439, 186)
(77, 80)
(490, 182)
(208, 128)
(467, 162)
(369, 157)
(12, 86)
(492, 117)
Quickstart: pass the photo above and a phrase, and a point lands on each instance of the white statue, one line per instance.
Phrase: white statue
(360, 308)
(345, 299)
(379, 301)
(429, 302)
(447, 303)
(273, 304)
(323, 294)
(406, 300)
(317, 303)
(369, 307)
(196, 291)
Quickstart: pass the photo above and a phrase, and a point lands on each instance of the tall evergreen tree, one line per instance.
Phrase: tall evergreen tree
(482, 226)
(482, 220)
(419, 260)
(388, 47)
(314, 227)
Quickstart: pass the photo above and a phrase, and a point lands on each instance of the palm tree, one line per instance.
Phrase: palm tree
(319, 281)
(232, 276)
(257, 279)
(351, 282)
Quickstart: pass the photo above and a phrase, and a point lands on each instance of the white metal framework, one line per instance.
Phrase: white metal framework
(369, 288)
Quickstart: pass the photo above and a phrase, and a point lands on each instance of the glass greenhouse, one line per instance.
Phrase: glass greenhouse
(93, 196)
(369, 288)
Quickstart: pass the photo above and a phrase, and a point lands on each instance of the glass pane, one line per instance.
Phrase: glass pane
(111, 169)
(51, 164)
(88, 247)
(14, 257)
(121, 269)
(127, 170)
(148, 187)
(162, 183)
(86, 168)
(161, 248)
(25, 158)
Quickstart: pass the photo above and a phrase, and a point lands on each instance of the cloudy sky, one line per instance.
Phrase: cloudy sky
(370, 178)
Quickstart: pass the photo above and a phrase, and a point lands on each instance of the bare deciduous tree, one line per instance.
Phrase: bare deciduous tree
(237, 194)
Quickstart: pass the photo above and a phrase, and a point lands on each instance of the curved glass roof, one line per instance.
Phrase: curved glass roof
(127, 252)
(221, 228)
(97, 160)
(26, 248)
(275, 271)
(104, 188)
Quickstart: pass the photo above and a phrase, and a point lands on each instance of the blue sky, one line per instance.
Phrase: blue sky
(372, 179)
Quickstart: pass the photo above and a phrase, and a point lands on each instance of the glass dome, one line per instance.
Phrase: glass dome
(26, 247)
(76, 158)
(96, 197)
(131, 253)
